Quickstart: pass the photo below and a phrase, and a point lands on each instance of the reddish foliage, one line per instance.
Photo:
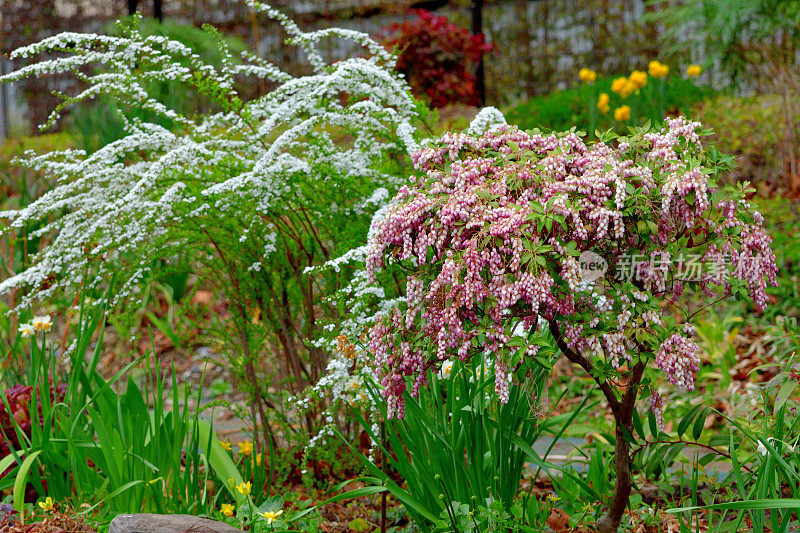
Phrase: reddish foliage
(437, 58)
(19, 399)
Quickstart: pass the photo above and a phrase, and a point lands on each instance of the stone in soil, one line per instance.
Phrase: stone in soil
(167, 523)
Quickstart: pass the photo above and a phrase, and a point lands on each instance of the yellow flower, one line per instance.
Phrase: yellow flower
(553, 497)
(26, 330)
(587, 75)
(628, 89)
(258, 459)
(227, 509)
(244, 487)
(694, 71)
(602, 103)
(226, 444)
(657, 69)
(245, 447)
(619, 84)
(48, 504)
(622, 113)
(271, 515)
(42, 323)
(638, 78)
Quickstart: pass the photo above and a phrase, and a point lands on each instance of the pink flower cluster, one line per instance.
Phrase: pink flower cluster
(679, 358)
(492, 227)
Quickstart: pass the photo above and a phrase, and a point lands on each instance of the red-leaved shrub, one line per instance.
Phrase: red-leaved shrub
(19, 398)
(438, 58)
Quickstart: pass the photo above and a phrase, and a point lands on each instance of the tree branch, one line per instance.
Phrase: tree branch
(578, 359)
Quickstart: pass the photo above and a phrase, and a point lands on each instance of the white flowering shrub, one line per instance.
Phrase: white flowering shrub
(251, 194)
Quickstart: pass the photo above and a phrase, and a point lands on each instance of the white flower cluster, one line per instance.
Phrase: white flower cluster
(158, 191)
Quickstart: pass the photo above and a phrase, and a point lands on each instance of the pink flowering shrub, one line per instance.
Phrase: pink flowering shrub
(507, 232)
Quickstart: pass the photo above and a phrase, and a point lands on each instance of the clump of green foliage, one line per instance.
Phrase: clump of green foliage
(561, 110)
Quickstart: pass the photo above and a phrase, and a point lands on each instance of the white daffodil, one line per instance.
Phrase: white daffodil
(42, 323)
(26, 330)
(447, 369)
(353, 384)
(761, 448)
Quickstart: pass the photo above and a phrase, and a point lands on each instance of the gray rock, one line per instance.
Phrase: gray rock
(167, 523)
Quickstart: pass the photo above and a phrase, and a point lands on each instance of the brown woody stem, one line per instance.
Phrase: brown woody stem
(622, 409)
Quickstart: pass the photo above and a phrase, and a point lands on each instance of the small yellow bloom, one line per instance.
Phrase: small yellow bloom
(226, 444)
(245, 447)
(26, 330)
(553, 497)
(271, 515)
(258, 459)
(42, 323)
(587, 75)
(638, 78)
(628, 89)
(48, 504)
(244, 487)
(622, 113)
(694, 71)
(602, 103)
(227, 509)
(619, 84)
(657, 69)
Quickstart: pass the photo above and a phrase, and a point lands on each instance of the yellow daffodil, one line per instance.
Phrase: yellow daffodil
(244, 487)
(619, 84)
(42, 323)
(26, 330)
(638, 78)
(657, 69)
(227, 509)
(269, 516)
(48, 504)
(622, 113)
(602, 103)
(694, 71)
(258, 459)
(628, 89)
(226, 445)
(245, 447)
(587, 75)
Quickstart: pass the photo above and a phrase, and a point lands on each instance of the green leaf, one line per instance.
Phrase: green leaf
(6, 462)
(697, 429)
(683, 425)
(359, 525)
(651, 421)
(637, 424)
(220, 461)
(22, 480)
(783, 395)
(745, 505)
